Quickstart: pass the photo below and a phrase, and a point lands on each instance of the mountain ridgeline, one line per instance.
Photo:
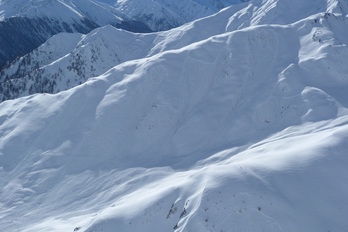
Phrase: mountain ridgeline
(24, 32)
(20, 35)
(24, 25)
(237, 121)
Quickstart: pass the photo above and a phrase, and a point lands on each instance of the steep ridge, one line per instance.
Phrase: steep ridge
(272, 12)
(96, 53)
(33, 22)
(23, 77)
(240, 131)
(162, 15)
(21, 35)
(26, 24)
(79, 59)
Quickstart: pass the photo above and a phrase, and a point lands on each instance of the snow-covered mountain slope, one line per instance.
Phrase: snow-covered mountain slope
(54, 67)
(24, 24)
(95, 53)
(68, 12)
(284, 12)
(20, 35)
(106, 47)
(165, 14)
(298, 174)
(33, 22)
(52, 50)
(243, 130)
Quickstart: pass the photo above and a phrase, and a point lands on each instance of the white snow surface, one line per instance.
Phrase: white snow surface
(161, 14)
(157, 15)
(50, 8)
(70, 59)
(240, 127)
(63, 11)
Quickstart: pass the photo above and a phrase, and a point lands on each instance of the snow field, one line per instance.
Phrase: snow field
(242, 130)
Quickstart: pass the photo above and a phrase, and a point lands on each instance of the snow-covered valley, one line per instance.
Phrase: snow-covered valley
(234, 122)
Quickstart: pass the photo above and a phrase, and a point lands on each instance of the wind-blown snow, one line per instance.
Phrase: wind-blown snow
(225, 130)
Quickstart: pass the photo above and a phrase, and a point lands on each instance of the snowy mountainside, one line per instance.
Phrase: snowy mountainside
(84, 61)
(240, 130)
(97, 52)
(62, 11)
(20, 35)
(33, 22)
(27, 24)
(79, 59)
(53, 49)
(283, 12)
(164, 14)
